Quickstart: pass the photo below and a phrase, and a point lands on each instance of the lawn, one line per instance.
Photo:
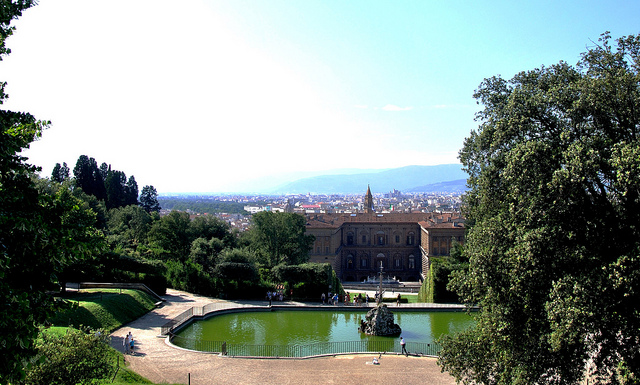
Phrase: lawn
(106, 309)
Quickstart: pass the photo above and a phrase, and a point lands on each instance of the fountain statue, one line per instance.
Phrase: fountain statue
(379, 320)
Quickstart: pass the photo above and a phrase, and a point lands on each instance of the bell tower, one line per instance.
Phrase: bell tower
(368, 201)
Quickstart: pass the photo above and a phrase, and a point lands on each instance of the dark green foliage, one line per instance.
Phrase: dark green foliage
(434, 289)
(120, 191)
(60, 173)
(190, 277)
(115, 184)
(128, 227)
(279, 238)
(77, 357)
(202, 205)
(89, 178)
(10, 10)
(554, 230)
(176, 232)
(149, 199)
(210, 227)
(131, 191)
(309, 280)
(236, 271)
(173, 234)
(104, 170)
(41, 236)
(205, 252)
(95, 204)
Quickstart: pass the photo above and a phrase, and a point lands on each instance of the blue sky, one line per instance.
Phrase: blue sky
(222, 96)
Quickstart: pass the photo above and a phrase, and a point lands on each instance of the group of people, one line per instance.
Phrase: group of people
(329, 299)
(128, 344)
(333, 299)
(275, 296)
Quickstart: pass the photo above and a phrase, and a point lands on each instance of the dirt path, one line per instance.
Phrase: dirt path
(161, 363)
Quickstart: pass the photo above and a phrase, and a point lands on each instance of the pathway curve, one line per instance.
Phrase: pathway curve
(161, 363)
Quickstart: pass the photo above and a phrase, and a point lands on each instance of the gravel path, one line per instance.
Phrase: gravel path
(161, 363)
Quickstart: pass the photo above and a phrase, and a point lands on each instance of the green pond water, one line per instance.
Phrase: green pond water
(301, 327)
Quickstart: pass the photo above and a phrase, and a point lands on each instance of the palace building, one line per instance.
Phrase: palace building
(356, 244)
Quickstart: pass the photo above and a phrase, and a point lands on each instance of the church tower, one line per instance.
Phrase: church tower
(368, 201)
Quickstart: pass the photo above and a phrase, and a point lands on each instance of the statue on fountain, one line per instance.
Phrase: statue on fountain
(379, 320)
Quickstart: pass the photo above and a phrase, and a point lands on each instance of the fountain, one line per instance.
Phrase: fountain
(379, 320)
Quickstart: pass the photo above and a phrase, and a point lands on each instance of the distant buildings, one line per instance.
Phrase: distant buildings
(355, 234)
(356, 244)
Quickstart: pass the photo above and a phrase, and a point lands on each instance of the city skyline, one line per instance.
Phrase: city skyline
(208, 96)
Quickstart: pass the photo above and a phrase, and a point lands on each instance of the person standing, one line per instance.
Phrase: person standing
(323, 298)
(125, 344)
(404, 347)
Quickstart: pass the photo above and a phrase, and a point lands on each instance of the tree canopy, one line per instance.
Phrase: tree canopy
(280, 238)
(553, 239)
(149, 199)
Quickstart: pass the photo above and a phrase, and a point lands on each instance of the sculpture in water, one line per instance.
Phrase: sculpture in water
(379, 322)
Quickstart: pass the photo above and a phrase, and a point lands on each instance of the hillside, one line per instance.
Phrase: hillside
(439, 178)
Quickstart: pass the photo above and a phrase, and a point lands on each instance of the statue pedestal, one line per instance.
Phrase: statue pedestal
(380, 322)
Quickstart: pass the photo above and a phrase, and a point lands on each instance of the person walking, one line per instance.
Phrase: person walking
(404, 347)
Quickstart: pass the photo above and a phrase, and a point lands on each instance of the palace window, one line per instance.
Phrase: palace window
(411, 238)
(364, 262)
(412, 262)
(397, 239)
(349, 238)
(398, 263)
(350, 262)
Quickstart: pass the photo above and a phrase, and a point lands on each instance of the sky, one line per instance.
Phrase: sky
(232, 95)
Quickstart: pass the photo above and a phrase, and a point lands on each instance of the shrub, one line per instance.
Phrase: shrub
(76, 357)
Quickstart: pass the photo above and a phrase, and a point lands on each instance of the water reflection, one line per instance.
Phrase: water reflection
(303, 327)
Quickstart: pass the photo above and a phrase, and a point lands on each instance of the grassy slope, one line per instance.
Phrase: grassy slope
(108, 310)
(105, 309)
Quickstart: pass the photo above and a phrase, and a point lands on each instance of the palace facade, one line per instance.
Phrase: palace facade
(356, 244)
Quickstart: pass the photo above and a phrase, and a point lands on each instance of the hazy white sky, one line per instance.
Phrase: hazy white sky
(208, 95)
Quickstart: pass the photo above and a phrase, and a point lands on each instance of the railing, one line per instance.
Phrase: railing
(185, 316)
(120, 285)
(300, 351)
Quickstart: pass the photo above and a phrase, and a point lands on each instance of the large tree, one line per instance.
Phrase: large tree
(149, 199)
(173, 235)
(279, 238)
(40, 234)
(554, 229)
(89, 177)
(60, 173)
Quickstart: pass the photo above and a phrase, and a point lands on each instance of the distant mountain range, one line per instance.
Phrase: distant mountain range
(446, 178)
